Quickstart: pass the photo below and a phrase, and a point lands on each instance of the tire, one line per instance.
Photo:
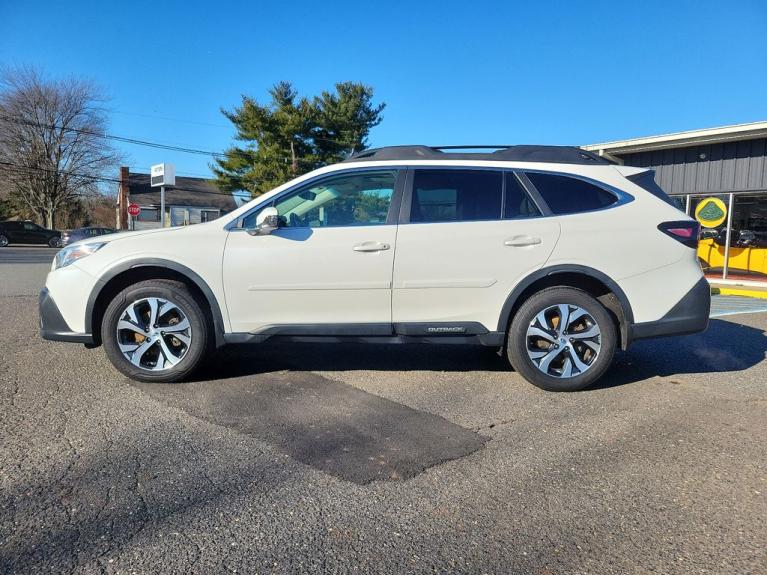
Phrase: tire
(182, 350)
(54, 242)
(543, 353)
(4, 241)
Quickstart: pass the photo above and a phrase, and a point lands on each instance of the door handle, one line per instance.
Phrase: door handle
(522, 241)
(371, 247)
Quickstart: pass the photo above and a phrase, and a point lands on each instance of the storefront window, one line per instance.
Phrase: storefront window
(712, 246)
(680, 202)
(748, 238)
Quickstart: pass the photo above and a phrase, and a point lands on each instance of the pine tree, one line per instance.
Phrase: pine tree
(292, 135)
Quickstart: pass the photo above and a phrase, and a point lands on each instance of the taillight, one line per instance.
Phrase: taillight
(685, 232)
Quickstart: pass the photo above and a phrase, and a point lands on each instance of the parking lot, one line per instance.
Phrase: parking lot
(387, 459)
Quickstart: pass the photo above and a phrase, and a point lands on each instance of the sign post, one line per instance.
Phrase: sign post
(162, 175)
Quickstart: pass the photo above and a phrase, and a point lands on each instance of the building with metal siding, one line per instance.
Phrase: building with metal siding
(712, 168)
(728, 163)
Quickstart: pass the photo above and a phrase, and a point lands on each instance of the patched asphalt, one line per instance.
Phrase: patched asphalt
(263, 463)
(332, 426)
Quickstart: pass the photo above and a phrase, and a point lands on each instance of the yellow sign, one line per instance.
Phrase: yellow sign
(711, 212)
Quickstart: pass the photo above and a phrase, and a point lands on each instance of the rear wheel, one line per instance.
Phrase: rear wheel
(3, 241)
(561, 339)
(155, 331)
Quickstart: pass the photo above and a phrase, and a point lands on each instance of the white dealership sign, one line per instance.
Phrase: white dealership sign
(163, 175)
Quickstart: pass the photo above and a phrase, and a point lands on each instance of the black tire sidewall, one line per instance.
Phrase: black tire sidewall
(517, 338)
(178, 294)
(54, 242)
(7, 241)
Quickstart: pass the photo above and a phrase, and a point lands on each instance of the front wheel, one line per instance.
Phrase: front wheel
(561, 339)
(155, 331)
(55, 242)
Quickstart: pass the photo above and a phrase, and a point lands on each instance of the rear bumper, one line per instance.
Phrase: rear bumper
(689, 315)
(53, 326)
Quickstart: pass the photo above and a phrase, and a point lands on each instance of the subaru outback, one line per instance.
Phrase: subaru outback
(553, 255)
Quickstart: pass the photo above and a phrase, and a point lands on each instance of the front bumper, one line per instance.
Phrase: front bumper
(689, 315)
(53, 326)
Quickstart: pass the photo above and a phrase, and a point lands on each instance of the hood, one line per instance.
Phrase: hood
(125, 235)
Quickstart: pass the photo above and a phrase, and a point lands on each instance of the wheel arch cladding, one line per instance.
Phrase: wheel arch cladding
(592, 281)
(124, 275)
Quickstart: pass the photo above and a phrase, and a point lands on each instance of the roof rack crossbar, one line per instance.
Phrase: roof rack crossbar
(516, 153)
(472, 147)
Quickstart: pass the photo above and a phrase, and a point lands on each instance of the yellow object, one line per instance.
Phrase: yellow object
(735, 290)
(711, 212)
(748, 260)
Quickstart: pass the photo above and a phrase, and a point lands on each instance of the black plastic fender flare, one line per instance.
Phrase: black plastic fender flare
(218, 318)
(511, 300)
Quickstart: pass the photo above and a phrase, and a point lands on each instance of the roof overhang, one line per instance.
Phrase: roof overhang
(720, 135)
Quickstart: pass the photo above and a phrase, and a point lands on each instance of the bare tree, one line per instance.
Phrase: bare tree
(52, 148)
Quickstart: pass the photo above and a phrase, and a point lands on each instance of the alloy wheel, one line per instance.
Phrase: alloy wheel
(154, 334)
(3, 241)
(563, 340)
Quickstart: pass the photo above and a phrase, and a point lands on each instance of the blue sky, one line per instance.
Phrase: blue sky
(449, 72)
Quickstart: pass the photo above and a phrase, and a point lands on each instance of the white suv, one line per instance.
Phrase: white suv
(551, 254)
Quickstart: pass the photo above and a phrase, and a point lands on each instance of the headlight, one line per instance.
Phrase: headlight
(76, 252)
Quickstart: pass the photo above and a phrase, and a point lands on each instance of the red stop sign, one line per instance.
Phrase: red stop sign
(134, 210)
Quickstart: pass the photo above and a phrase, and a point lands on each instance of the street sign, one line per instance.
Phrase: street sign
(134, 210)
(163, 175)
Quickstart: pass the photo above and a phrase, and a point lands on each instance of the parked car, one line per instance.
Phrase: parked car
(78, 234)
(747, 254)
(28, 233)
(551, 254)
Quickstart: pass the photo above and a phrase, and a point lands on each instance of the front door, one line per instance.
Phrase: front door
(472, 235)
(33, 234)
(327, 269)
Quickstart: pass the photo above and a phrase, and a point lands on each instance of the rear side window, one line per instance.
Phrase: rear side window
(566, 195)
(456, 195)
(518, 204)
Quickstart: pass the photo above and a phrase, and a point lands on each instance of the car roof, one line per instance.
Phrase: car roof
(542, 154)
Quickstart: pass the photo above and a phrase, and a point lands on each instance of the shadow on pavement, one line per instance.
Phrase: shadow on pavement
(725, 346)
(272, 392)
(336, 428)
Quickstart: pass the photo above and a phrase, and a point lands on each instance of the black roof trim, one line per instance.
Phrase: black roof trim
(524, 153)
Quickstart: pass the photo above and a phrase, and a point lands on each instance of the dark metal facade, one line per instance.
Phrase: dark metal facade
(738, 166)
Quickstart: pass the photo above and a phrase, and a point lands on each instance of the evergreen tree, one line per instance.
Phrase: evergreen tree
(292, 135)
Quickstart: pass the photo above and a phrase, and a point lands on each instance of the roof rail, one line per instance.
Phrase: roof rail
(519, 153)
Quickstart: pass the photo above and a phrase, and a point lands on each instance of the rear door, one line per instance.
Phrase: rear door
(14, 231)
(466, 238)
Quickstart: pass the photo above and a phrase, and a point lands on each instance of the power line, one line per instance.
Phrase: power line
(115, 138)
(157, 145)
(104, 179)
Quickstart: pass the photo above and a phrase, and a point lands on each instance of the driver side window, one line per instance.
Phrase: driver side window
(357, 199)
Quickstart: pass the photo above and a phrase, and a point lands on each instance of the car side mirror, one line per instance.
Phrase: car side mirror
(267, 221)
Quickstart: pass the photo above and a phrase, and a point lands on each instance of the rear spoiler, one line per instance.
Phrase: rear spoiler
(645, 179)
(627, 171)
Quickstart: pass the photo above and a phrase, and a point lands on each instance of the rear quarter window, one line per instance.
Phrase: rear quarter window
(567, 195)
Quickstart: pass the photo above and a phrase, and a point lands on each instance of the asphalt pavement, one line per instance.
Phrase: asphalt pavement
(381, 459)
